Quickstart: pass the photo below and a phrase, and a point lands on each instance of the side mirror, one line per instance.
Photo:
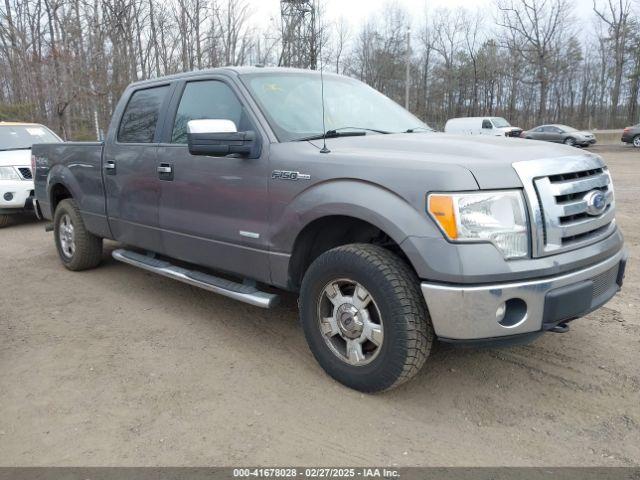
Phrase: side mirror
(219, 138)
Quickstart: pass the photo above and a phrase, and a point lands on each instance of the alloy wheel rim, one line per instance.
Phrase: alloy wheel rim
(350, 322)
(636, 141)
(66, 234)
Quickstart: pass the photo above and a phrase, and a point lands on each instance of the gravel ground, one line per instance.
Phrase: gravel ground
(117, 366)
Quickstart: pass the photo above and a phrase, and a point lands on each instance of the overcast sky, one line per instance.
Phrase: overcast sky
(358, 11)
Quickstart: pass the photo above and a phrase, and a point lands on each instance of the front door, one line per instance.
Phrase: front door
(129, 169)
(487, 127)
(213, 210)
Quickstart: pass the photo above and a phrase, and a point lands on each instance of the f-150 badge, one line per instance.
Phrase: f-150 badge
(288, 175)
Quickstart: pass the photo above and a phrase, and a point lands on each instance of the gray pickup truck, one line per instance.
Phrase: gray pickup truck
(392, 235)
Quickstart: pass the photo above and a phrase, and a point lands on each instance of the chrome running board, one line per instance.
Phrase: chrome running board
(238, 291)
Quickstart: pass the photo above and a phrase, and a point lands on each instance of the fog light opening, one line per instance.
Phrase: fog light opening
(8, 196)
(512, 312)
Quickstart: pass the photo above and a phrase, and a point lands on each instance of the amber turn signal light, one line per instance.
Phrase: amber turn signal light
(441, 209)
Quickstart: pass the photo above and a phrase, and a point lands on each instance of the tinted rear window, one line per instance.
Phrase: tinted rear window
(140, 119)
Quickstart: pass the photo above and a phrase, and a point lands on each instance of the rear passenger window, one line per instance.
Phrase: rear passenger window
(211, 100)
(138, 124)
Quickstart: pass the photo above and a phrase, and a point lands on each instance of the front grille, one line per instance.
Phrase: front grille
(556, 192)
(25, 172)
(604, 281)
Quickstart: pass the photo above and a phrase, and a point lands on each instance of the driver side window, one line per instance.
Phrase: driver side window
(487, 124)
(208, 99)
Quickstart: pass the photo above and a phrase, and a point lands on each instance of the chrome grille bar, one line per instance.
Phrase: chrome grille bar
(588, 225)
(578, 206)
(556, 192)
(567, 187)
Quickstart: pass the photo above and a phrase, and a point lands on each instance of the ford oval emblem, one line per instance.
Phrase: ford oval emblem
(596, 202)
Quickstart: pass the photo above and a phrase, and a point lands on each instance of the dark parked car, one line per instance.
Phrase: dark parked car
(632, 135)
(560, 134)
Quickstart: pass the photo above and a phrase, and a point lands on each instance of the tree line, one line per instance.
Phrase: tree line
(65, 63)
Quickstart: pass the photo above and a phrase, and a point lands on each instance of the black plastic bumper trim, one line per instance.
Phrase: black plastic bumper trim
(495, 342)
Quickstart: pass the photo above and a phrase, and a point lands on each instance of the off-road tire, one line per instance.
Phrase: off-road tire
(5, 220)
(395, 289)
(88, 247)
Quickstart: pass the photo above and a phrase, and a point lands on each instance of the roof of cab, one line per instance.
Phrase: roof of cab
(227, 71)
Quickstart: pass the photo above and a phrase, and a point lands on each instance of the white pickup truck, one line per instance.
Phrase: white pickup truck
(16, 181)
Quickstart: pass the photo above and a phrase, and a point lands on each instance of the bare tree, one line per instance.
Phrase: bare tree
(79, 55)
(616, 15)
(542, 25)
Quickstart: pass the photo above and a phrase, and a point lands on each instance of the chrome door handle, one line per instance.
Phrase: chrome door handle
(110, 166)
(165, 169)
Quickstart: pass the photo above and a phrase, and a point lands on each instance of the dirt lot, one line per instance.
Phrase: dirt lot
(116, 366)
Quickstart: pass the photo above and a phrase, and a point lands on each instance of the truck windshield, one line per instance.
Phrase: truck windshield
(21, 137)
(292, 103)
(500, 122)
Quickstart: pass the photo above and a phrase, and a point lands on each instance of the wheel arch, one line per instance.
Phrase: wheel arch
(339, 212)
(61, 184)
(331, 231)
(57, 193)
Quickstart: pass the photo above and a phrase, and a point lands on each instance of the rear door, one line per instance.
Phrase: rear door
(554, 134)
(547, 134)
(129, 167)
(537, 133)
(213, 210)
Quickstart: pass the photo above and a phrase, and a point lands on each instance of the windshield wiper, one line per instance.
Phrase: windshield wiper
(384, 132)
(337, 132)
(331, 134)
(414, 129)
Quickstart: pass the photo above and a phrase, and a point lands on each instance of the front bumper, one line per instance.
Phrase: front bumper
(15, 196)
(469, 312)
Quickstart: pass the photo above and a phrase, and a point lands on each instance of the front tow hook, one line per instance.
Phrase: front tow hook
(560, 328)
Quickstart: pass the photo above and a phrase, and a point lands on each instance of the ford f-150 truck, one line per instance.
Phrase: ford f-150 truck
(392, 235)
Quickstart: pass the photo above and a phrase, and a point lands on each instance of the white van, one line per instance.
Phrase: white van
(496, 126)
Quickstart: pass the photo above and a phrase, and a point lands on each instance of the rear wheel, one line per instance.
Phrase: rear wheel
(5, 220)
(364, 317)
(636, 141)
(77, 247)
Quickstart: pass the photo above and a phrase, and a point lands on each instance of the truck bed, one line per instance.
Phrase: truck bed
(77, 165)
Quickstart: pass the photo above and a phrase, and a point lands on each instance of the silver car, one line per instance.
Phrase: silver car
(561, 134)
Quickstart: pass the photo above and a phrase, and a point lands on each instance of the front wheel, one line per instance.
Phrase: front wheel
(364, 317)
(77, 247)
(636, 141)
(570, 141)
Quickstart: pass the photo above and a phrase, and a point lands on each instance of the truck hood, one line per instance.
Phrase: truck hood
(15, 158)
(488, 158)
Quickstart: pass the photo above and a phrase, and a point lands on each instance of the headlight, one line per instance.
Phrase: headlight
(498, 217)
(8, 173)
